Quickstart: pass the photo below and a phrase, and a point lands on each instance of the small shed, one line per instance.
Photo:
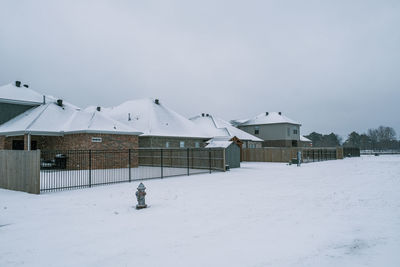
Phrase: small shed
(232, 149)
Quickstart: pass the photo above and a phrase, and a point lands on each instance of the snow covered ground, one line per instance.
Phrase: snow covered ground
(332, 213)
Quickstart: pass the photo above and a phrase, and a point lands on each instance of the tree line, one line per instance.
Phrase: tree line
(381, 138)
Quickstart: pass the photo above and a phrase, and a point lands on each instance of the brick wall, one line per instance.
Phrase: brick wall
(84, 142)
(2, 142)
(174, 142)
(76, 142)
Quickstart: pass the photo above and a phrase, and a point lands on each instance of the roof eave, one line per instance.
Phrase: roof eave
(20, 102)
(103, 132)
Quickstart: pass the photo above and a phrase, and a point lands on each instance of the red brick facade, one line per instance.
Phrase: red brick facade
(76, 142)
(84, 141)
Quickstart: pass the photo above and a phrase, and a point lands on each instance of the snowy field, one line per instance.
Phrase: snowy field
(332, 213)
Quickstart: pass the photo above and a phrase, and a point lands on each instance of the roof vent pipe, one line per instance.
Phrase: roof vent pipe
(208, 115)
(17, 83)
(266, 113)
(98, 108)
(157, 101)
(202, 114)
(44, 99)
(26, 86)
(129, 116)
(280, 113)
(60, 102)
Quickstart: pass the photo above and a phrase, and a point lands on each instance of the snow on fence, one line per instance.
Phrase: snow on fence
(287, 154)
(62, 170)
(19, 170)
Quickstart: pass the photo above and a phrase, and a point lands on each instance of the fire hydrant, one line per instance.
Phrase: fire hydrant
(140, 194)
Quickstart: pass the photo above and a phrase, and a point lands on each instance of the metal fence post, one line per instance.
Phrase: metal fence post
(188, 162)
(161, 163)
(129, 165)
(209, 158)
(90, 168)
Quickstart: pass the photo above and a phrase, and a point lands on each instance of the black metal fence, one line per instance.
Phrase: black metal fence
(61, 170)
(351, 152)
(318, 154)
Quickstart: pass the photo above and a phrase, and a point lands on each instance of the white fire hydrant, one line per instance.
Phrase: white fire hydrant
(140, 195)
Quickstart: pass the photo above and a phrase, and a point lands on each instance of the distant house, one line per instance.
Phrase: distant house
(16, 99)
(218, 127)
(275, 129)
(231, 147)
(56, 125)
(161, 126)
(305, 142)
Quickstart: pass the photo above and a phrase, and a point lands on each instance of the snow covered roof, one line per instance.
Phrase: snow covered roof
(52, 119)
(10, 93)
(304, 139)
(219, 127)
(269, 118)
(155, 119)
(219, 141)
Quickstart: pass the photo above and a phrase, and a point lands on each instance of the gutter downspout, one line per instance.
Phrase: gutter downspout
(29, 142)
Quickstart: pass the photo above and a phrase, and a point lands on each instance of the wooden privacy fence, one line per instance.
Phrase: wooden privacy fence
(286, 154)
(20, 170)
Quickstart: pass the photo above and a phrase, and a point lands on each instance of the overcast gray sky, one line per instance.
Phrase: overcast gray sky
(331, 65)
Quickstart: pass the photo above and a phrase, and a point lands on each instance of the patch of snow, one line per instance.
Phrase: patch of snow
(220, 141)
(332, 213)
(154, 119)
(219, 127)
(50, 118)
(13, 94)
(271, 118)
(304, 139)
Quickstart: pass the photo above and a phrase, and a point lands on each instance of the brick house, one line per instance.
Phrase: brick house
(58, 126)
(161, 126)
(16, 99)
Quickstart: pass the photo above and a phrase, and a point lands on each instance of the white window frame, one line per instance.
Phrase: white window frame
(182, 144)
(97, 140)
(167, 144)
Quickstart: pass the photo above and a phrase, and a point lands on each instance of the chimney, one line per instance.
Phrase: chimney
(266, 113)
(98, 108)
(157, 101)
(60, 102)
(129, 116)
(280, 113)
(17, 83)
(26, 86)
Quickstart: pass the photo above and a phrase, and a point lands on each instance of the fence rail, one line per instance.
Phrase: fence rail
(61, 170)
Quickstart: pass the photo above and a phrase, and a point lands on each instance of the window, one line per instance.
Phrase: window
(167, 144)
(288, 131)
(97, 139)
(182, 144)
(256, 129)
(18, 145)
(294, 131)
(197, 144)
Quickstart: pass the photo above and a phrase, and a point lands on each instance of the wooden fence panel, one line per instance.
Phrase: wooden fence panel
(20, 170)
(286, 154)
